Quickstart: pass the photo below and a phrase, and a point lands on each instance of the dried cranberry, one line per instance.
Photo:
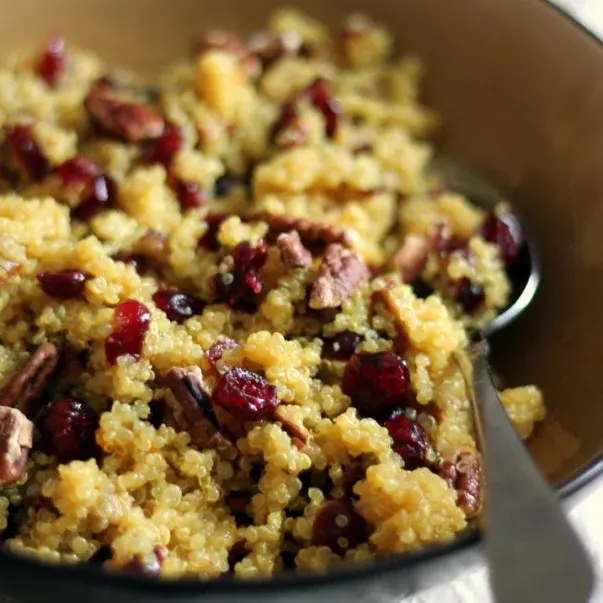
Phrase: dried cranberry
(350, 477)
(240, 289)
(377, 383)
(77, 171)
(137, 260)
(322, 99)
(410, 440)
(67, 429)
(504, 232)
(51, 64)
(177, 306)
(341, 346)
(470, 295)
(100, 197)
(224, 185)
(70, 366)
(151, 565)
(23, 147)
(163, 149)
(209, 240)
(287, 117)
(63, 284)
(157, 411)
(189, 194)
(245, 395)
(215, 351)
(246, 255)
(338, 526)
(131, 321)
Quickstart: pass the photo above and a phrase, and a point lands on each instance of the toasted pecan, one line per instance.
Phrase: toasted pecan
(463, 472)
(16, 438)
(293, 252)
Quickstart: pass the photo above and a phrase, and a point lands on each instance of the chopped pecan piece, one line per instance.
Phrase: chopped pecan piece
(192, 409)
(385, 296)
(154, 246)
(297, 431)
(121, 116)
(28, 384)
(269, 46)
(16, 438)
(411, 257)
(340, 274)
(463, 473)
(293, 252)
(312, 234)
(227, 42)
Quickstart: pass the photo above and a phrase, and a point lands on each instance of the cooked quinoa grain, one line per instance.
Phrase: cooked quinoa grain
(234, 304)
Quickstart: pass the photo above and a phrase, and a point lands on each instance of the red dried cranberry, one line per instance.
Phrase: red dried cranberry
(132, 259)
(151, 566)
(67, 429)
(177, 306)
(131, 321)
(341, 346)
(470, 295)
(163, 149)
(322, 99)
(338, 526)
(51, 64)
(240, 289)
(215, 351)
(209, 240)
(100, 197)
(410, 440)
(63, 284)
(25, 150)
(189, 194)
(504, 232)
(377, 383)
(287, 117)
(246, 255)
(245, 395)
(224, 184)
(76, 171)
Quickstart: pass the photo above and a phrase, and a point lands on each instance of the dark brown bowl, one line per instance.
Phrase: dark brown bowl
(521, 88)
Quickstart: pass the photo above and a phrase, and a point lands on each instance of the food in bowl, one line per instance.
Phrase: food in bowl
(234, 306)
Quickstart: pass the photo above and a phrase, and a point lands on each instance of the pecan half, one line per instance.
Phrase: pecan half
(293, 252)
(192, 408)
(297, 431)
(16, 438)
(411, 257)
(463, 473)
(227, 42)
(154, 246)
(311, 233)
(121, 116)
(340, 273)
(28, 384)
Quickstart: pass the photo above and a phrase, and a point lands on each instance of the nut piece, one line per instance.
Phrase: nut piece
(154, 246)
(311, 233)
(293, 252)
(227, 42)
(297, 431)
(125, 118)
(341, 272)
(16, 438)
(28, 384)
(464, 473)
(411, 257)
(192, 408)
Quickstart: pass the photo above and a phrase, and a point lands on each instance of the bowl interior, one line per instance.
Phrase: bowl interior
(521, 91)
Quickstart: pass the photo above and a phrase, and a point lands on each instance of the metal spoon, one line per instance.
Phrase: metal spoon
(533, 553)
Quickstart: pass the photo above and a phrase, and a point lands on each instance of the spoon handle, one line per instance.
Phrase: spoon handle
(533, 553)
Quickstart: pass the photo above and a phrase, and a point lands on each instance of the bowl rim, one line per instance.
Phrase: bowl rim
(89, 575)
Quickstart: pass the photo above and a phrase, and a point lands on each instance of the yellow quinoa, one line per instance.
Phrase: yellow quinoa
(197, 187)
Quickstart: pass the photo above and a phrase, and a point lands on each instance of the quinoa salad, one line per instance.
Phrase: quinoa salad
(234, 306)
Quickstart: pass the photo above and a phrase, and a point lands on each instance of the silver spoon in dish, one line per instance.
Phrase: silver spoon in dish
(533, 553)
